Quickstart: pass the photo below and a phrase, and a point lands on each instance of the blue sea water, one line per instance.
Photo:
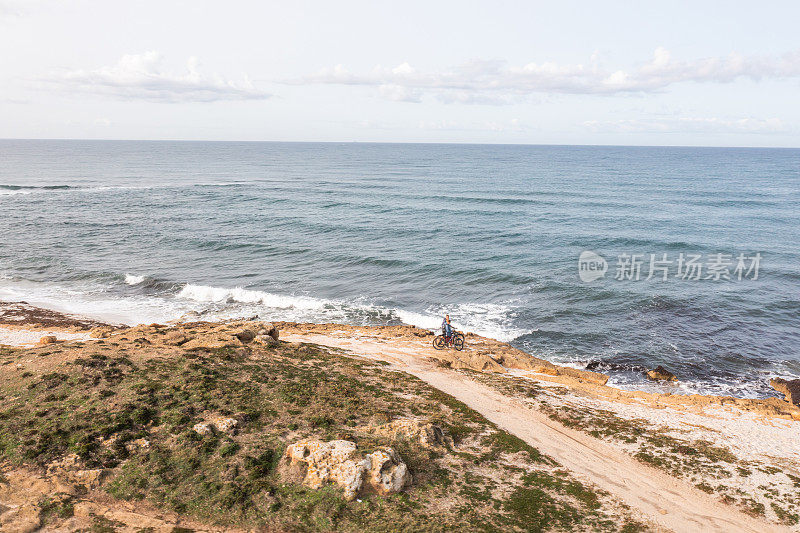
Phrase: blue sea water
(135, 232)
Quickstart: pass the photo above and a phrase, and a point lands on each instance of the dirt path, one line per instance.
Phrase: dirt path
(667, 501)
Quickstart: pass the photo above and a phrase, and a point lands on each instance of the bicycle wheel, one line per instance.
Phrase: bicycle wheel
(438, 342)
(458, 342)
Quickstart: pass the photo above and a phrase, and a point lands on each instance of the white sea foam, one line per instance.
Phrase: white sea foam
(419, 319)
(93, 302)
(131, 279)
(105, 188)
(205, 293)
(488, 320)
(221, 303)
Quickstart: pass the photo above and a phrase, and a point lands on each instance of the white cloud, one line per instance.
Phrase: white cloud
(143, 77)
(513, 125)
(399, 93)
(688, 125)
(11, 9)
(496, 82)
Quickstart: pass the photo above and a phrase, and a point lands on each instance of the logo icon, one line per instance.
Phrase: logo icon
(591, 266)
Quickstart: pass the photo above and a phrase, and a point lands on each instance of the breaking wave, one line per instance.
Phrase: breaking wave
(130, 279)
(204, 293)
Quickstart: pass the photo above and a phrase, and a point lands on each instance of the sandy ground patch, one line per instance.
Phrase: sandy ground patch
(29, 337)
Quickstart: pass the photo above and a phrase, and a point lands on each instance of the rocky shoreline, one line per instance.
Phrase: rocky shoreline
(482, 354)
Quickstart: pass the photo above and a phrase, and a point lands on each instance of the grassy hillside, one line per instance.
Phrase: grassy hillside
(123, 409)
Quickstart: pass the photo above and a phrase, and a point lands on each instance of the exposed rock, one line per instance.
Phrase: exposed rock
(137, 444)
(225, 425)
(660, 373)
(246, 335)
(29, 498)
(789, 388)
(420, 332)
(222, 424)
(315, 463)
(484, 363)
(23, 314)
(421, 431)
(267, 340)
(175, 338)
(100, 332)
(48, 339)
(583, 375)
(203, 428)
(70, 468)
(24, 519)
(269, 329)
(386, 473)
(549, 370)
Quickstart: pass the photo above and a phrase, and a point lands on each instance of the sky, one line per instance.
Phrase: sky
(627, 73)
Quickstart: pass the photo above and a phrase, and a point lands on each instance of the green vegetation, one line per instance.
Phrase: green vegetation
(130, 411)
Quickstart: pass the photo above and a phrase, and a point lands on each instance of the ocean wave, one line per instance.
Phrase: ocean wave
(205, 293)
(133, 303)
(6, 190)
(9, 190)
(489, 320)
(131, 279)
(35, 187)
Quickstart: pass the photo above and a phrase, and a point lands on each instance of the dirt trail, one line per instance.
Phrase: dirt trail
(666, 501)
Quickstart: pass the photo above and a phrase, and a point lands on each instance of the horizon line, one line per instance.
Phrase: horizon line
(588, 145)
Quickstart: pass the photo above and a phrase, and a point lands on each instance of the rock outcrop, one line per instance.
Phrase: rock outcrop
(549, 369)
(421, 431)
(660, 373)
(268, 329)
(71, 469)
(221, 424)
(245, 336)
(315, 463)
(48, 339)
(175, 338)
(101, 332)
(789, 388)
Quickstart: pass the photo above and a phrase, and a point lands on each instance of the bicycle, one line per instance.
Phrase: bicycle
(456, 340)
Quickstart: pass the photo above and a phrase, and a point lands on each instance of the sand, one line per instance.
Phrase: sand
(29, 337)
(664, 500)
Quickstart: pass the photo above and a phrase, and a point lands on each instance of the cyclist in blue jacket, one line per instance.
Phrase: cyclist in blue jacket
(447, 329)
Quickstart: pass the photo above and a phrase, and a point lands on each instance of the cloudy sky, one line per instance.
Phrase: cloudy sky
(636, 72)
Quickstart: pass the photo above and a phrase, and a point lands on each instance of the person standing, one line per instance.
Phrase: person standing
(447, 329)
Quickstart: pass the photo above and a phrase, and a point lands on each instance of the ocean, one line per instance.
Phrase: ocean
(133, 231)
